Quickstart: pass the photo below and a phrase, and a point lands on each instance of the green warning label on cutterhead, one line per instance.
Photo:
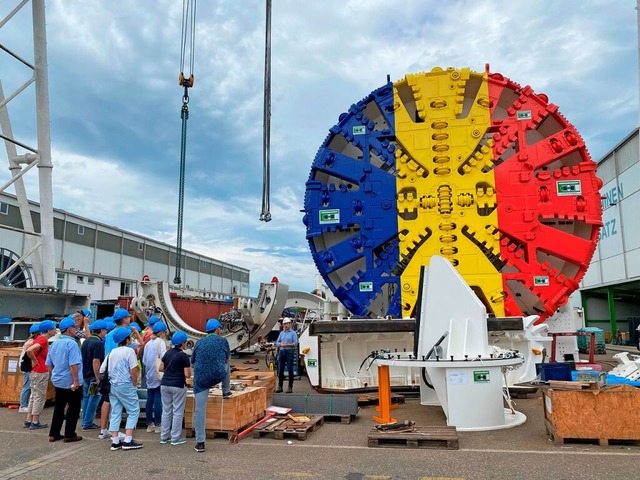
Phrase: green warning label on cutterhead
(569, 187)
(359, 130)
(366, 286)
(541, 281)
(524, 115)
(481, 376)
(329, 216)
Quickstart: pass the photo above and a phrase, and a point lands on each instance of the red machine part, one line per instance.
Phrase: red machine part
(549, 209)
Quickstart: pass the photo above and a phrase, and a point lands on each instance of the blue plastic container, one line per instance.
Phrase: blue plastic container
(554, 371)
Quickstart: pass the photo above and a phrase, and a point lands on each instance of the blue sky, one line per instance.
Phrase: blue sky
(115, 100)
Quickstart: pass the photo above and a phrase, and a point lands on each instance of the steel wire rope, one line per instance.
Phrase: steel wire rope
(185, 81)
(265, 215)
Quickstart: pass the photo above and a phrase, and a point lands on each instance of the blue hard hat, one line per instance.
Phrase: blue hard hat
(159, 327)
(120, 313)
(212, 325)
(134, 326)
(120, 334)
(98, 325)
(86, 312)
(152, 321)
(47, 325)
(66, 323)
(110, 324)
(179, 338)
(34, 328)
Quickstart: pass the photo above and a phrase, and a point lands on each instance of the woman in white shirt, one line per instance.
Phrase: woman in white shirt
(122, 365)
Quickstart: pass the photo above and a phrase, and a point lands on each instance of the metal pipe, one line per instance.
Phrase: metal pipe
(17, 176)
(45, 166)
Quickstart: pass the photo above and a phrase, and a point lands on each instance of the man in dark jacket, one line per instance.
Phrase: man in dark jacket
(210, 360)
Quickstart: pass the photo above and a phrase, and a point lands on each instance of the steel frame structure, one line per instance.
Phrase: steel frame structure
(38, 245)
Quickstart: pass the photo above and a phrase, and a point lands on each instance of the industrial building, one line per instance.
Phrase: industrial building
(610, 290)
(106, 262)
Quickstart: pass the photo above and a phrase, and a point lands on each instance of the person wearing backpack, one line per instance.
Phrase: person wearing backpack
(25, 368)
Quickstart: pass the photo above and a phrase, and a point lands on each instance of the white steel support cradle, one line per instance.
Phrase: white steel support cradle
(463, 373)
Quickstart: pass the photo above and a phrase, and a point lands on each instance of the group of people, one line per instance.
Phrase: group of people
(107, 366)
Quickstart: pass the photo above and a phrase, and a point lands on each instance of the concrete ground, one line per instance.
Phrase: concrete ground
(335, 451)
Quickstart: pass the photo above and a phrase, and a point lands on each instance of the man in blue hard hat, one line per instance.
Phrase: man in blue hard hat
(154, 350)
(122, 318)
(210, 360)
(92, 356)
(64, 361)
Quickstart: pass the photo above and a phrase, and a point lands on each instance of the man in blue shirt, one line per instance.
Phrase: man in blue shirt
(122, 318)
(64, 362)
(210, 360)
(287, 342)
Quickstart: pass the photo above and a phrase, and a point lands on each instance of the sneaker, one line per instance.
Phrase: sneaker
(289, 390)
(158, 429)
(104, 434)
(36, 426)
(279, 390)
(26, 425)
(163, 441)
(93, 426)
(116, 446)
(179, 441)
(23, 410)
(151, 428)
(199, 447)
(132, 445)
(227, 395)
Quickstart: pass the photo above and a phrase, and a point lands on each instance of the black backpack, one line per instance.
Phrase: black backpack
(25, 363)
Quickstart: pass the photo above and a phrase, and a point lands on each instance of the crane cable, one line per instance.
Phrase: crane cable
(185, 81)
(265, 216)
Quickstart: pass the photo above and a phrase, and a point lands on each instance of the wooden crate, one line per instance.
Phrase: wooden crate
(243, 408)
(11, 377)
(256, 379)
(606, 414)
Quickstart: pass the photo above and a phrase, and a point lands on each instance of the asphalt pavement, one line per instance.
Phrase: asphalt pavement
(334, 451)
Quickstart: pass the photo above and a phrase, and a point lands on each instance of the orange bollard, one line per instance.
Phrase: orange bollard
(384, 397)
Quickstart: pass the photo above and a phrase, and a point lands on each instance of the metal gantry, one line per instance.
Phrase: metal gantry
(38, 245)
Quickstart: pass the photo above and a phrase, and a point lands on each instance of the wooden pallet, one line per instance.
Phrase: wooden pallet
(283, 427)
(213, 433)
(346, 419)
(603, 442)
(421, 437)
(365, 399)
